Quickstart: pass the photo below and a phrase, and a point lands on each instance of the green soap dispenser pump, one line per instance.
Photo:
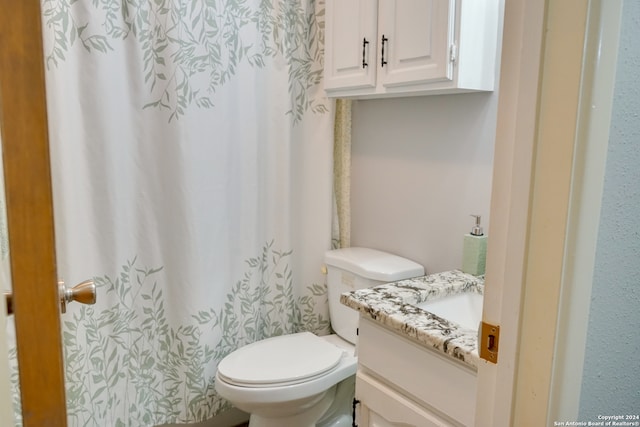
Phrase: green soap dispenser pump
(474, 251)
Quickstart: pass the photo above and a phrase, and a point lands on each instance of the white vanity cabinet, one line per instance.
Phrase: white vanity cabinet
(400, 383)
(378, 48)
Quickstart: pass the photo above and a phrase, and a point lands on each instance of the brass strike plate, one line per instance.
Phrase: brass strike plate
(489, 342)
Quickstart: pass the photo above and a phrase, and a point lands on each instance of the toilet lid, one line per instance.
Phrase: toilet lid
(284, 359)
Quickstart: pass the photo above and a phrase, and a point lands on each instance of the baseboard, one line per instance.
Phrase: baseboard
(229, 418)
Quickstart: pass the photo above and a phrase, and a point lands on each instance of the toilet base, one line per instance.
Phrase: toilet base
(306, 418)
(340, 414)
(333, 409)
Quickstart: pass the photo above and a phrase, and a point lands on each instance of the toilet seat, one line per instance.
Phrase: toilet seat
(249, 397)
(280, 361)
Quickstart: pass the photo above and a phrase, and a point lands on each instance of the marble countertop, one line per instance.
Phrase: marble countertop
(391, 305)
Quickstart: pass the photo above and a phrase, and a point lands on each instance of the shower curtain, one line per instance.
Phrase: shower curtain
(191, 148)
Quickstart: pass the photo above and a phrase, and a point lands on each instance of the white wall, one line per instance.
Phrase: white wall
(420, 167)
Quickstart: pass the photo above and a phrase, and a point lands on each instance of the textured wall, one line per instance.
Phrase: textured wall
(611, 378)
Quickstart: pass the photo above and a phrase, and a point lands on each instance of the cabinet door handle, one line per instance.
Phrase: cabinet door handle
(384, 40)
(365, 42)
(353, 414)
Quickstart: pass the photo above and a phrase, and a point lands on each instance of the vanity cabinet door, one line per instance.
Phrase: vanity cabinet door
(391, 409)
(351, 46)
(446, 386)
(418, 37)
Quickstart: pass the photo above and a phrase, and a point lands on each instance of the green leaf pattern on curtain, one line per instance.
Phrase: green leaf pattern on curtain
(187, 42)
(130, 363)
(136, 370)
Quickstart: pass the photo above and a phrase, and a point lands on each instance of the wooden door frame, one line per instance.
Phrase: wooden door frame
(592, 141)
(561, 91)
(540, 92)
(30, 214)
(519, 89)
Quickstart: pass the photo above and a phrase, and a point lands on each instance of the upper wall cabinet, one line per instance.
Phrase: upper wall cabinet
(380, 48)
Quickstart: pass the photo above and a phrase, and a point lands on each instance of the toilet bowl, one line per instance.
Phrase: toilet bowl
(289, 380)
(303, 380)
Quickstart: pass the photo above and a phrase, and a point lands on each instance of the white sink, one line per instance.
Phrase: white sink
(464, 309)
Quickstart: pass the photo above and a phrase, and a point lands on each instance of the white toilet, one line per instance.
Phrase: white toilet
(302, 380)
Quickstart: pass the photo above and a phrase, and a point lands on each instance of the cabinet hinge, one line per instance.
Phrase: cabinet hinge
(453, 53)
(489, 342)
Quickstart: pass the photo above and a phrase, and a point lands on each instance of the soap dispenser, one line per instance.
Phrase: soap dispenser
(474, 251)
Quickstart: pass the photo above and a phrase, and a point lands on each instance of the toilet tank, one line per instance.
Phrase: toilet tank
(350, 269)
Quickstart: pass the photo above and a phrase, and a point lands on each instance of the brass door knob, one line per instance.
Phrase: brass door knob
(83, 292)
